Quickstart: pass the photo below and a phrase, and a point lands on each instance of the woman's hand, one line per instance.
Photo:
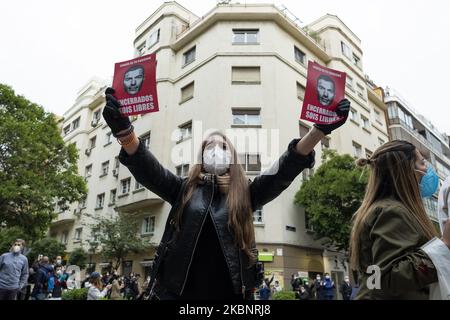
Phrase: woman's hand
(112, 115)
(342, 110)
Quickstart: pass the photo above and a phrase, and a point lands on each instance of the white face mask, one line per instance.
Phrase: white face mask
(16, 249)
(216, 161)
(58, 261)
(327, 277)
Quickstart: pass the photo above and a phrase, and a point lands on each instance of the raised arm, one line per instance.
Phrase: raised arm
(142, 164)
(299, 156)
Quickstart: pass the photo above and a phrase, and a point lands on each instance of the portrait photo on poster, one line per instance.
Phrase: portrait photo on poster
(134, 83)
(325, 88)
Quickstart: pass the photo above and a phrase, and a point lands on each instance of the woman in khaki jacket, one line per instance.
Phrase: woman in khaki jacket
(391, 229)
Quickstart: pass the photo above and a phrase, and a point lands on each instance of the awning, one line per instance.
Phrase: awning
(265, 256)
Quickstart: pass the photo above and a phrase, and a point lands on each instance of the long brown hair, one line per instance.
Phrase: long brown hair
(392, 176)
(240, 215)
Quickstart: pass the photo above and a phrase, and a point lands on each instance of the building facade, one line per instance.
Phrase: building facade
(239, 68)
(406, 124)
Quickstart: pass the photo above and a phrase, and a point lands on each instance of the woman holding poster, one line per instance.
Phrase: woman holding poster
(208, 247)
(392, 232)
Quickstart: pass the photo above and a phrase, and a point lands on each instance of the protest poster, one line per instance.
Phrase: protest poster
(135, 85)
(325, 88)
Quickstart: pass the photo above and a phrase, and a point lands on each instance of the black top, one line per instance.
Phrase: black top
(209, 277)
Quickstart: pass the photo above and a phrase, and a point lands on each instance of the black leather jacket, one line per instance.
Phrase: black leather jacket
(177, 248)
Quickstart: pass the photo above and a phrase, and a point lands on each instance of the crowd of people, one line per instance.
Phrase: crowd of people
(47, 279)
(304, 289)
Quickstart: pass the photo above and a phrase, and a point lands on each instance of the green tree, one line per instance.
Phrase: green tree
(332, 196)
(78, 257)
(49, 247)
(36, 167)
(117, 237)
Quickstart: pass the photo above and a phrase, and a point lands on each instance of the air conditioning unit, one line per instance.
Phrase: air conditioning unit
(115, 172)
(87, 151)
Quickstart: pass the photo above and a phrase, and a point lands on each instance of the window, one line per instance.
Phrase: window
(300, 56)
(300, 91)
(258, 217)
(381, 141)
(357, 61)
(141, 49)
(246, 117)
(304, 129)
(78, 233)
(92, 142)
(145, 139)
(349, 82)
(357, 151)
(308, 223)
(360, 90)
(154, 38)
(96, 117)
(88, 171)
(66, 130)
(250, 162)
(246, 75)
(112, 196)
(182, 170)
(187, 92)
(189, 56)
(378, 117)
(291, 228)
(392, 112)
(100, 201)
(245, 36)
(353, 115)
(125, 184)
(116, 163)
(148, 225)
(61, 206)
(365, 122)
(105, 168)
(64, 237)
(108, 138)
(185, 131)
(82, 203)
(368, 153)
(346, 50)
(76, 123)
(138, 186)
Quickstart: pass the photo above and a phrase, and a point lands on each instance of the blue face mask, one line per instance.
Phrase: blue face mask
(429, 183)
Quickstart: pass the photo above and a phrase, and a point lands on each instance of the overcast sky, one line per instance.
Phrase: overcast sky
(50, 48)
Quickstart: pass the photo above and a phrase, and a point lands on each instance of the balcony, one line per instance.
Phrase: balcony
(63, 218)
(136, 200)
(426, 144)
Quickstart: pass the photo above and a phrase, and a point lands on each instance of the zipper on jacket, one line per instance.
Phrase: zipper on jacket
(223, 251)
(196, 240)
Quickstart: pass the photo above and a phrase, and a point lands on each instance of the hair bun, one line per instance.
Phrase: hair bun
(362, 162)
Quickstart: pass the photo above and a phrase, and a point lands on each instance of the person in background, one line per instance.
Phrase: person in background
(13, 271)
(328, 287)
(346, 288)
(96, 290)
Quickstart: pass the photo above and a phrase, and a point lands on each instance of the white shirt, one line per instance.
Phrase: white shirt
(444, 203)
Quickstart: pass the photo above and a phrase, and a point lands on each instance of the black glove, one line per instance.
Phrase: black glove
(342, 110)
(112, 115)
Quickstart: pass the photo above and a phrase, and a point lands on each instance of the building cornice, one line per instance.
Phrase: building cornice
(247, 13)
